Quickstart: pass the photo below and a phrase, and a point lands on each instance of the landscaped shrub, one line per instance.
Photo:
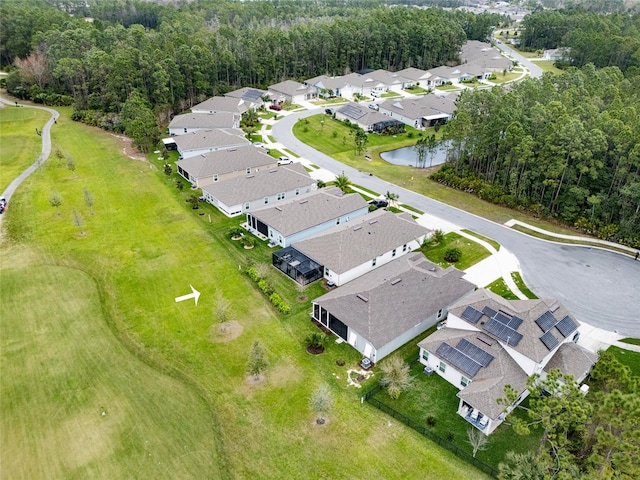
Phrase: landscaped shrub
(453, 255)
(280, 304)
(267, 289)
(431, 421)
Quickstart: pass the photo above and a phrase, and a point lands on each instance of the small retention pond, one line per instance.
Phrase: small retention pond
(409, 156)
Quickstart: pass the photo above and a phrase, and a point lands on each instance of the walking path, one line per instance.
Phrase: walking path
(46, 150)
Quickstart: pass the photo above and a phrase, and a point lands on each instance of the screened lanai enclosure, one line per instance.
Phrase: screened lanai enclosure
(297, 266)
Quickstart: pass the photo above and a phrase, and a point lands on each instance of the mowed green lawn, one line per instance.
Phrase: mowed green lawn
(19, 144)
(133, 252)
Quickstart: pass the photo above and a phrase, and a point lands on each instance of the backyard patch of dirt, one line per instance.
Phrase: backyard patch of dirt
(253, 380)
(129, 150)
(226, 332)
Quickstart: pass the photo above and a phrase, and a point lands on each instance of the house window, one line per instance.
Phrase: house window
(373, 262)
(185, 130)
(404, 247)
(393, 253)
(326, 271)
(440, 313)
(442, 367)
(281, 196)
(425, 355)
(248, 170)
(246, 206)
(215, 177)
(338, 221)
(464, 381)
(266, 200)
(297, 191)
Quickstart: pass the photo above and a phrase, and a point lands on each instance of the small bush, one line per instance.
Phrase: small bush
(453, 255)
(431, 421)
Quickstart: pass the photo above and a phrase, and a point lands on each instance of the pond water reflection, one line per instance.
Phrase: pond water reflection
(409, 156)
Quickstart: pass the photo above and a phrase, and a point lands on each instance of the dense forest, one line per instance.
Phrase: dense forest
(565, 146)
(174, 58)
(604, 40)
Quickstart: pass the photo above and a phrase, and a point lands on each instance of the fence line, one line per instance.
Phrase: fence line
(466, 456)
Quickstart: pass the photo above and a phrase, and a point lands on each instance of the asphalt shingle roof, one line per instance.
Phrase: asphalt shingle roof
(214, 138)
(309, 210)
(264, 183)
(222, 104)
(226, 161)
(204, 120)
(425, 106)
(360, 240)
(399, 295)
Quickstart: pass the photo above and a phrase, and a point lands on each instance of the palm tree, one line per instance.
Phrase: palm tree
(395, 376)
(316, 341)
(342, 182)
(392, 198)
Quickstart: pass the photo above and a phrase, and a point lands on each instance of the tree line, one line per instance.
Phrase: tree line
(604, 40)
(178, 57)
(565, 147)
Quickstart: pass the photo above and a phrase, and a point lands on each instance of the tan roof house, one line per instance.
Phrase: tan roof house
(221, 104)
(190, 122)
(200, 142)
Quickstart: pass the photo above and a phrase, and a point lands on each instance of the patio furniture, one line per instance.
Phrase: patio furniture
(483, 422)
(474, 415)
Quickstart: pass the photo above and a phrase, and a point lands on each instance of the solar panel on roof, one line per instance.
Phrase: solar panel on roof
(515, 322)
(471, 314)
(458, 359)
(489, 312)
(253, 94)
(503, 332)
(352, 112)
(502, 318)
(476, 353)
(546, 321)
(566, 326)
(549, 341)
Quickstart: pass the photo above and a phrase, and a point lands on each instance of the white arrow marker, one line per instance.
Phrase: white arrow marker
(195, 294)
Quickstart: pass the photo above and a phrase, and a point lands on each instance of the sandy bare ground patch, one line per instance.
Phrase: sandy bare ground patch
(128, 149)
(226, 332)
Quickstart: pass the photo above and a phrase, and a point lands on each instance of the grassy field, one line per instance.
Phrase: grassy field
(472, 252)
(20, 144)
(548, 66)
(627, 357)
(93, 324)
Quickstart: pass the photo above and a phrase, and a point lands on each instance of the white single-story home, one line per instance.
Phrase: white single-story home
(200, 142)
(221, 104)
(386, 308)
(488, 343)
(350, 250)
(221, 165)
(484, 56)
(326, 86)
(364, 117)
(247, 193)
(307, 215)
(420, 112)
(252, 97)
(416, 76)
(190, 122)
(291, 91)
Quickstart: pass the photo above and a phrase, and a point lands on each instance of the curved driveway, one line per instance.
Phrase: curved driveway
(599, 287)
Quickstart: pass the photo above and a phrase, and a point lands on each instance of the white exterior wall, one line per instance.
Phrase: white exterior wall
(406, 120)
(256, 204)
(450, 374)
(280, 239)
(407, 336)
(342, 278)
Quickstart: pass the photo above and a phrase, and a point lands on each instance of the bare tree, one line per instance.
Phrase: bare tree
(257, 360)
(221, 311)
(478, 440)
(71, 165)
(88, 199)
(77, 221)
(320, 403)
(262, 269)
(395, 376)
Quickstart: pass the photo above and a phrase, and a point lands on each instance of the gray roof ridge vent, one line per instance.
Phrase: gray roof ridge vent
(250, 176)
(273, 171)
(362, 297)
(359, 227)
(279, 209)
(303, 201)
(395, 281)
(433, 269)
(373, 221)
(554, 307)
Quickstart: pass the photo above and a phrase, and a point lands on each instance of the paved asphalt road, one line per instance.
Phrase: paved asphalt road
(599, 287)
(535, 70)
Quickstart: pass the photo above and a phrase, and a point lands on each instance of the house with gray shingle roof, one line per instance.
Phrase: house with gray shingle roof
(221, 104)
(420, 112)
(386, 308)
(326, 86)
(190, 122)
(247, 193)
(350, 250)
(391, 81)
(205, 141)
(489, 342)
(291, 91)
(252, 97)
(416, 76)
(367, 119)
(307, 215)
(212, 167)
(487, 58)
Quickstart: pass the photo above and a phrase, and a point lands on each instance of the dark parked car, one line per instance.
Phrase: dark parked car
(329, 111)
(379, 202)
(3, 204)
(275, 107)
